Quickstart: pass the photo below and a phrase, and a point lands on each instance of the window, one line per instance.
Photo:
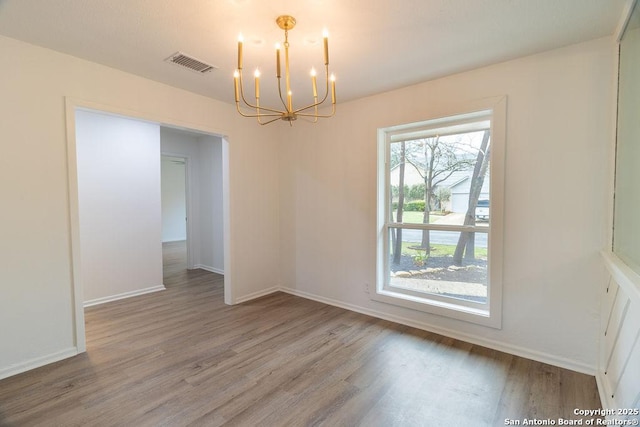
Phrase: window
(439, 215)
(626, 233)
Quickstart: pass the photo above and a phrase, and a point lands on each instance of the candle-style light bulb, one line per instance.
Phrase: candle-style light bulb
(278, 60)
(256, 74)
(325, 36)
(289, 101)
(333, 89)
(313, 83)
(240, 40)
(236, 75)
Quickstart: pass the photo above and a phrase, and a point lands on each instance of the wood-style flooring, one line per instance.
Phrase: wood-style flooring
(182, 357)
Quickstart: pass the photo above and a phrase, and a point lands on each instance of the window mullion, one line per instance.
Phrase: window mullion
(439, 227)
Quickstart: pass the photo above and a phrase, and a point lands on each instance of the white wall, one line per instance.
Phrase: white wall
(559, 127)
(37, 305)
(174, 199)
(119, 205)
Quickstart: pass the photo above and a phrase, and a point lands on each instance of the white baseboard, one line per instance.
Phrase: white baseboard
(211, 269)
(175, 240)
(123, 295)
(605, 395)
(538, 356)
(37, 362)
(258, 294)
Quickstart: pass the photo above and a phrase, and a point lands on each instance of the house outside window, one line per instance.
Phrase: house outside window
(440, 198)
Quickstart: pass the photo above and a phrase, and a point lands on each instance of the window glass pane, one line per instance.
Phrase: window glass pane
(626, 237)
(436, 270)
(445, 176)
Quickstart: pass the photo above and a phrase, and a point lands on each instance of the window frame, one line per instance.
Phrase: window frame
(489, 313)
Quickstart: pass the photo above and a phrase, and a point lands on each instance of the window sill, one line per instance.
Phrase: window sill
(441, 308)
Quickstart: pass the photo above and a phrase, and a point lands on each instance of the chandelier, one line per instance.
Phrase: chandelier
(288, 113)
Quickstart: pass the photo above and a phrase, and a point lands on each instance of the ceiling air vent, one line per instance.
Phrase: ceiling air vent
(190, 63)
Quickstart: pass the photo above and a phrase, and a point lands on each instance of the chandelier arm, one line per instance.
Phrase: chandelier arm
(270, 121)
(273, 111)
(306, 119)
(315, 112)
(321, 116)
(324, 98)
(326, 78)
(324, 116)
(243, 114)
(316, 115)
(242, 89)
(255, 107)
(317, 104)
(284, 104)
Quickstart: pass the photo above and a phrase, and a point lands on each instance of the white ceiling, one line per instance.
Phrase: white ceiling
(375, 45)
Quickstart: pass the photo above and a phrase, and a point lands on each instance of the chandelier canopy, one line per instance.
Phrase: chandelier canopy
(288, 113)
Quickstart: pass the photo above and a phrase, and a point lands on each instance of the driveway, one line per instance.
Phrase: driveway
(445, 237)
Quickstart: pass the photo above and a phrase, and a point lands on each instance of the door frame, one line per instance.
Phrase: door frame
(73, 104)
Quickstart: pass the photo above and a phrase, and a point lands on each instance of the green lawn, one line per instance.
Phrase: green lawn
(416, 217)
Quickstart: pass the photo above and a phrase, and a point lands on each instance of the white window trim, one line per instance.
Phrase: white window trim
(489, 314)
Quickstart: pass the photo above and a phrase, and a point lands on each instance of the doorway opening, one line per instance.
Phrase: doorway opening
(192, 200)
(125, 227)
(173, 185)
